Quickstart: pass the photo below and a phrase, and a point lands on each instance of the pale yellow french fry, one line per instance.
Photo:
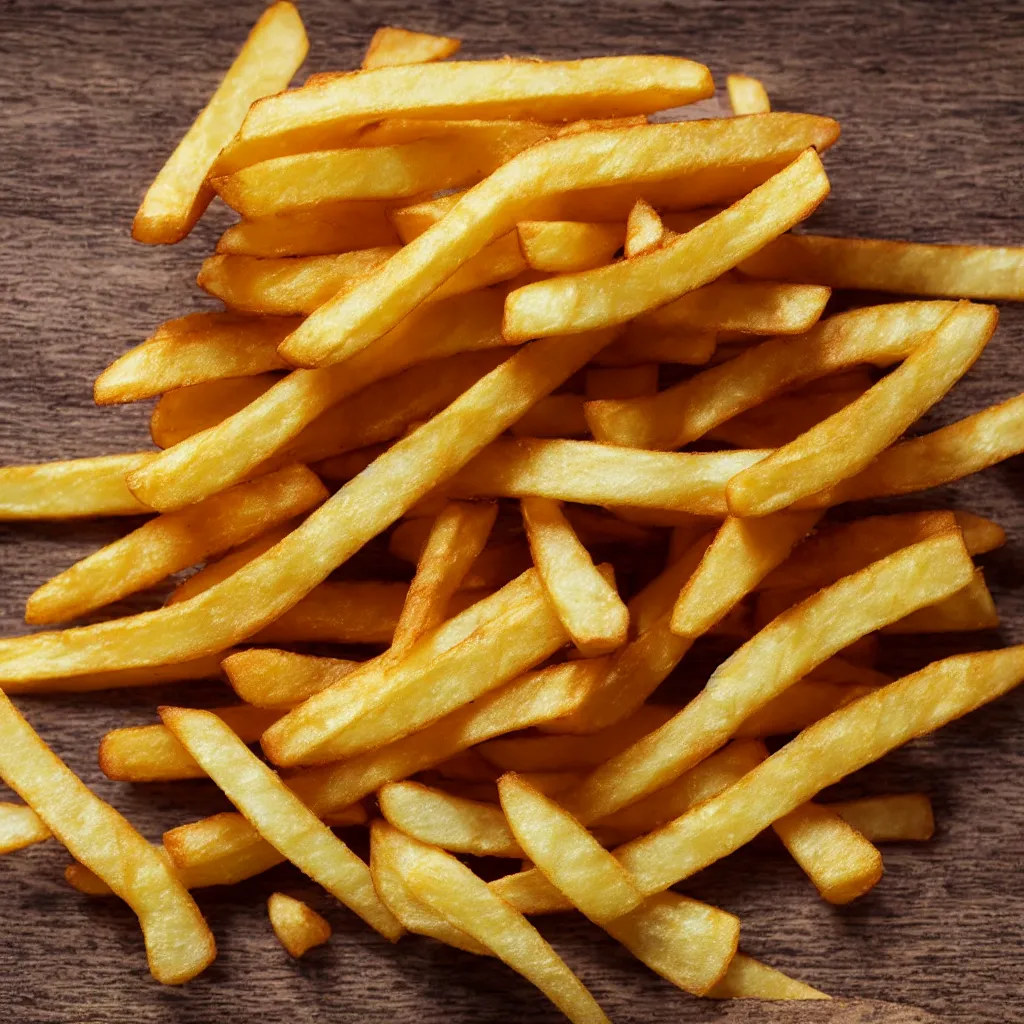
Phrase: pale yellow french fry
(558, 246)
(300, 121)
(787, 650)
(747, 95)
(451, 822)
(464, 900)
(280, 816)
(845, 443)
(267, 678)
(820, 756)
(219, 850)
(392, 46)
(192, 349)
(174, 541)
(298, 927)
(517, 190)
(644, 229)
(590, 607)
(20, 826)
(275, 49)
(74, 489)
(889, 819)
(624, 382)
(748, 978)
(566, 854)
(179, 945)
(186, 411)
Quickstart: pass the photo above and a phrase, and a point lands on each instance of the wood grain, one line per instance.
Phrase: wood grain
(94, 97)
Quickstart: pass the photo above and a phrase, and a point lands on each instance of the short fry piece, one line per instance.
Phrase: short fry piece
(298, 927)
(747, 95)
(267, 678)
(392, 46)
(748, 978)
(898, 818)
(559, 246)
(20, 826)
(644, 229)
(275, 49)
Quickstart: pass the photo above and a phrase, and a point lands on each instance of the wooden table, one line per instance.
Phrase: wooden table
(94, 97)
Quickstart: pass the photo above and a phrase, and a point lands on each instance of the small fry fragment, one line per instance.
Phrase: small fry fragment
(298, 927)
(747, 95)
(392, 46)
(267, 678)
(644, 229)
(20, 826)
(748, 978)
(898, 818)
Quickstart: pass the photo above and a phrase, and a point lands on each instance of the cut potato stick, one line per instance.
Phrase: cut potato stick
(821, 755)
(151, 753)
(898, 818)
(907, 268)
(557, 416)
(566, 854)
(560, 246)
(186, 411)
(648, 153)
(20, 826)
(280, 817)
(298, 927)
(685, 347)
(590, 607)
(496, 565)
(687, 411)
(740, 556)
(456, 538)
(625, 382)
(301, 121)
(842, 445)
(747, 95)
(275, 49)
(193, 349)
(223, 455)
(467, 766)
(464, 900)
(611, 295)
(644, 229)
(267, 678)
(175, 541)
(799, 640)
(391, 46)
(805, 702)
(450, 822)
(178, 943)
(748, 978)
(74, 489)
(219, 850)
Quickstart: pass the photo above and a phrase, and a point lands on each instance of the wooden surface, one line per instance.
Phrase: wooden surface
(95, 94)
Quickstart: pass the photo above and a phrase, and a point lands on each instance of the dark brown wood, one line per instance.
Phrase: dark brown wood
(94, 97)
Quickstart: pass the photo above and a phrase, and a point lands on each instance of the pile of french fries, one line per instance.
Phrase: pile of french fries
(473, 312)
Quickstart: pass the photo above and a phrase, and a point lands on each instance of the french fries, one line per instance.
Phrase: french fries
(298, 927)
(392, 46)
(901, 818)
(20, 826)
(267, 678)
(747, 95)
(748, 978)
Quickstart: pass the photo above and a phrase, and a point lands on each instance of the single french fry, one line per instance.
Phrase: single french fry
(193, 349)
(804, 703)
(464, 900)
(594, 528)
(467, 766)
(821, 755)
(898, 818)
(298, 927)
(267, 678)
(280, 816)
(275, 49)
(179, 945)
(625, 382)
(907, 268)
(748, 978)
(186, 411)
(590, 607)
(747, 95)
(74, 489)
(685, 347)
(557, 416)
(560, 246)
(20, 826)
(392, 46)
(787, 650)
(175, 541)
(648, 153)
(151, 753)
(496, 565)
(450, 822)
(457, 537)
(644, 229)
(845, 443)
(219, 851)
(545, 91)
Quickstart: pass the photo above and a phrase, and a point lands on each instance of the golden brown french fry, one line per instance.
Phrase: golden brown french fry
(20, 826)
(392, 46)
(557, 416)
(280, 816)
(496, 565)
(845, 443)
(907, 268)
(589, 606)
(821, 755)
(467, 766)
(611, 295)
(151, 753)
(206, 667)
(298, 927)
(456, 538)
(644, 229)
(685, 412)
(648, 153)
(566, 854)
(185, 411)
(73, 489)
(748, 978)
(545, 91)
(270, 423)
(178, 943)
(175, 541)
(267, 678)
(684, 346)
(624, 382)
(560, 246)
(787, 650)
(741, 555)
(464, 900)
(747, 95)
(193, 349)
(888, 819)
(593, 528)
(220, 849)
(450, 822)
(275, 49)
(805, 702)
